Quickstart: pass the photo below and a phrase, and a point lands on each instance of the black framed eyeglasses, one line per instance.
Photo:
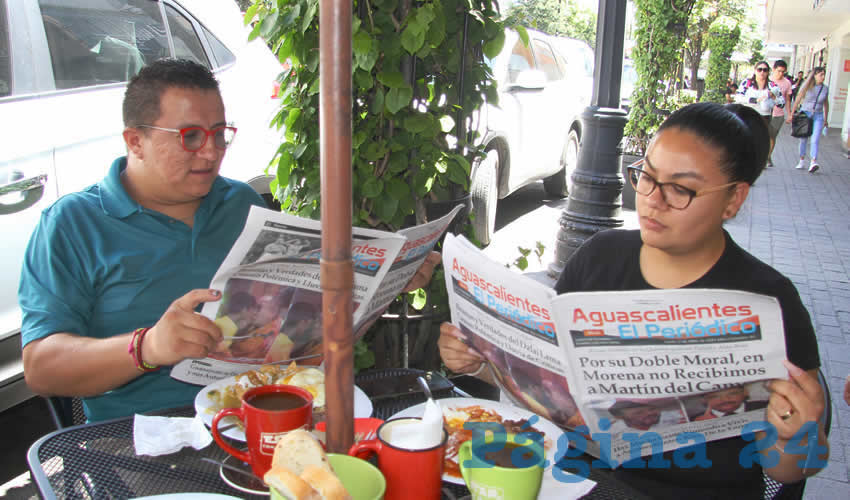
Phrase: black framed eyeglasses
(674, 195)
(193, 139)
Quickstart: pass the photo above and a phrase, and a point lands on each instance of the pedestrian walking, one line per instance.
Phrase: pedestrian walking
(813, 100)
(780, 111)
(762, 94)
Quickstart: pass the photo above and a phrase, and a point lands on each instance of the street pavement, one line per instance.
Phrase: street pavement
(797, 222)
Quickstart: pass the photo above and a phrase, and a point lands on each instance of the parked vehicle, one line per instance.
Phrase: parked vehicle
(64, 65)
(532, 133)
(627, 84)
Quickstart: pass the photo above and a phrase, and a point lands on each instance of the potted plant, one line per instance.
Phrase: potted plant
(418, 74)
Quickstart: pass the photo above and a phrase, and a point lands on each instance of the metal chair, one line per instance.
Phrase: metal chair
(66, 411)
(774, 490)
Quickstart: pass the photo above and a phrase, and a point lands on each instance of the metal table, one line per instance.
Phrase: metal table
(98, 460)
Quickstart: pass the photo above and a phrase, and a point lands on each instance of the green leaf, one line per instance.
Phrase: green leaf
(250, 12)
(494, 46)
(314, 87)
(268, 24)
(398, 189)
(417, 123)
(361, 43)
(292, 117)
(378, 102)
(299, 150)
(385, 207)
(461, 161)
(357, 138)
(392, 79)
(362, 79)
(398, 98)
(523, 34)
(412, 40)
(254, 32)
(309, 16)
(284, 165)
(418, 299)
(373, 187)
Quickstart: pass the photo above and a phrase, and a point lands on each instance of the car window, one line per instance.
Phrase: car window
(220, 52)
(521, 60)
(546, 61)
(5, 61)
(187, 45)
(95, 41)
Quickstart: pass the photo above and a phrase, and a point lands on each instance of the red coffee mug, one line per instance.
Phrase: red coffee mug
(267, 412)
(409, 473)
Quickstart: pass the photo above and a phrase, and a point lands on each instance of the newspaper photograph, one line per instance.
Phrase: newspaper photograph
(271, 306)
(641, 368)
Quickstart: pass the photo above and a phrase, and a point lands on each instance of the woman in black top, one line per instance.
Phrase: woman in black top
(697, 173)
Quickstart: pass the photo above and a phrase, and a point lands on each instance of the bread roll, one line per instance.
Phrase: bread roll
(289, 485)
(298, 449)
(325, 482)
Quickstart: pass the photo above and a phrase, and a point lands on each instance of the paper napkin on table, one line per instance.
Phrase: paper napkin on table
(163, 435)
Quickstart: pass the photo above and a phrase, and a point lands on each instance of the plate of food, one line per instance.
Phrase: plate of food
(227, 393)
(457, 411)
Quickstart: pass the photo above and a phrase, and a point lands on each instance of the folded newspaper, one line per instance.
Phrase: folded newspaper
(623, 364)
(271, 306)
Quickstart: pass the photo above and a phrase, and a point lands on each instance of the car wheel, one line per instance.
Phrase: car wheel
(559, 185)
(484, 192)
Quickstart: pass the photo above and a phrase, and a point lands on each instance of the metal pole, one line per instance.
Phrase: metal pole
(336, 267)
(596, 199)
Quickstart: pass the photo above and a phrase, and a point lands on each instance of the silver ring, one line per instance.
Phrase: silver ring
(787, 414)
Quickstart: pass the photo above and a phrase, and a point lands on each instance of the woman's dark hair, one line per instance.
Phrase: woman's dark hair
(736, 131)
(141, 99)
(755, 82)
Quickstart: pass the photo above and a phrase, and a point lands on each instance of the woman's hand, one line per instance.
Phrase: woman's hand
(794, 402)
(847, 390)
(457, 356)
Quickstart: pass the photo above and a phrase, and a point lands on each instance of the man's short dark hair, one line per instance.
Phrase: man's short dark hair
(780, 64)
(141, 100)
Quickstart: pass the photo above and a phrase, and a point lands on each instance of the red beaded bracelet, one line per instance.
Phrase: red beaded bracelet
(135, 350)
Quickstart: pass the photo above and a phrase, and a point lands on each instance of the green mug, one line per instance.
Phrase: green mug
(362, 480)
(513, 471)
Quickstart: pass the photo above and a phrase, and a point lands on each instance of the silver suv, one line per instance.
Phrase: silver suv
(533, 132)
(64, 65)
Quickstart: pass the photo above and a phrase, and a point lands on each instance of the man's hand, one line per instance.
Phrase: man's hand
(181, 332)
(457, 356)
(424, 273)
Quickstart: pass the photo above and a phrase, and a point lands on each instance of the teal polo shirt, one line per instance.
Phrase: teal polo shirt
(99, 264)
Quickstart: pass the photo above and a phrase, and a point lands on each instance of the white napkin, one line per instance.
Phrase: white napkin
(423, 434)
(163, 435)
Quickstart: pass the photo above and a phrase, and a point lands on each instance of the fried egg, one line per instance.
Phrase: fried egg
(310, 379)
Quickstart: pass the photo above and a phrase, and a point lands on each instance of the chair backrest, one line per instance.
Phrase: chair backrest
(66, 411)
(774, 490)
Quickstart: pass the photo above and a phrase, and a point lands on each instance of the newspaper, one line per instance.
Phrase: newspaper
(629, 372)
(271, 306)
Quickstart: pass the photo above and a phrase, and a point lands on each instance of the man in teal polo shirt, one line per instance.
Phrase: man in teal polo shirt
(137, 250)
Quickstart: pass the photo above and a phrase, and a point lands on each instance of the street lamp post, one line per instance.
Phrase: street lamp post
(595, 200)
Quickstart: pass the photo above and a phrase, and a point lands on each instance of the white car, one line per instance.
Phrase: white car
(533, 132)
(63, 74)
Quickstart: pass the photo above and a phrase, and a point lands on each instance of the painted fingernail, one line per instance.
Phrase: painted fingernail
(215, 293)
(793, 369)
